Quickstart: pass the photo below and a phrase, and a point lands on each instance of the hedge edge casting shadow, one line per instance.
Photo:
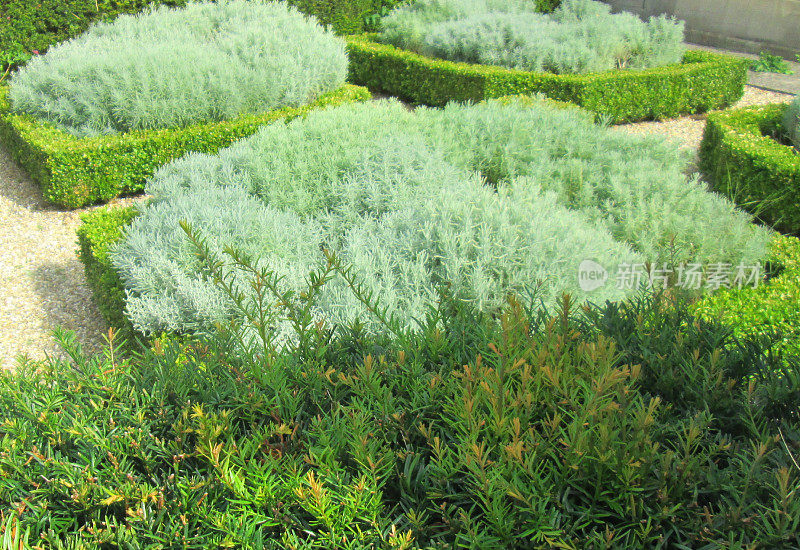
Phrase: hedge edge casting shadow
(100, 229)
(740, 157)
(75, 172)
(704, 81)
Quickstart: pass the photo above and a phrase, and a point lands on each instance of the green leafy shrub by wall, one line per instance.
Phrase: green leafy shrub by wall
(744, 155)
(170, 68)
(580, 36)
(397, 195)
(770, 63)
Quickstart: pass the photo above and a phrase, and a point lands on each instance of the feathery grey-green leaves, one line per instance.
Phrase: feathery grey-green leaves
(791, 122)
(168, 68)
(580, 36)
(477, 200)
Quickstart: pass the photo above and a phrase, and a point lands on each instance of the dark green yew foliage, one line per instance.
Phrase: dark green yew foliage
(695, 366)
(531, 430)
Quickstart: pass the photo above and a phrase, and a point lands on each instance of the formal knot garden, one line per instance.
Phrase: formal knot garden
(392, 278)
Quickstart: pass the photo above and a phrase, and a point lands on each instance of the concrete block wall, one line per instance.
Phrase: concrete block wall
(748, 26)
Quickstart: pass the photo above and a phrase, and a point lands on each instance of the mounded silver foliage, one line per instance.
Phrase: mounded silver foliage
(634, 185)
(167, 68)
(484, 200)
(580, 36)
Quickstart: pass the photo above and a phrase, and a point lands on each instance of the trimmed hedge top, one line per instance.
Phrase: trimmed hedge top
(742, 154)
(703, 81)
(771, 308)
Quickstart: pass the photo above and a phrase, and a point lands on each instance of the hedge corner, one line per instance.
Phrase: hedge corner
(743, 157)
(101, 229)
(702, 82)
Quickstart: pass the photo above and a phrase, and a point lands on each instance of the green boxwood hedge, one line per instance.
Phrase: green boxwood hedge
(75, 171)
(100, 229)
(704, 81)
(770, 307)
(742, 159)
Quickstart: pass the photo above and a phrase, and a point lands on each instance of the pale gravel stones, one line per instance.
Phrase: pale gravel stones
(42, 284)
(688, 130)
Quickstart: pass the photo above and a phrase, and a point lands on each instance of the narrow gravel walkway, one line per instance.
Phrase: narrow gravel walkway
(688, 130)
(43, 285)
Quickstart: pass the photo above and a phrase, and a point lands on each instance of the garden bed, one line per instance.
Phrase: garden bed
(704, 81)
(740, 157)
(752, 312)
(74, 171)
(264, 192)
(191, 440)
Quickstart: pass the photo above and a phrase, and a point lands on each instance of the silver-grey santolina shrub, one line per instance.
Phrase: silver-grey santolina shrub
(364, 182)
(479, 245)
(580, 36)
(634, 185)
(484, 200)
(168, 67)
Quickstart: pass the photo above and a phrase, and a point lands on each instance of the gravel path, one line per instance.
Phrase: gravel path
(43, 285)
(688, 130)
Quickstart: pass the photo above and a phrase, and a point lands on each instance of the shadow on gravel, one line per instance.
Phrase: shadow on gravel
(67, 302)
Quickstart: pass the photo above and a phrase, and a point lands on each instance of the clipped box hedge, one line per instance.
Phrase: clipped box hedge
(101, 228)
(704, 81)
(769, 308)
(75, 171)
(742, 159)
